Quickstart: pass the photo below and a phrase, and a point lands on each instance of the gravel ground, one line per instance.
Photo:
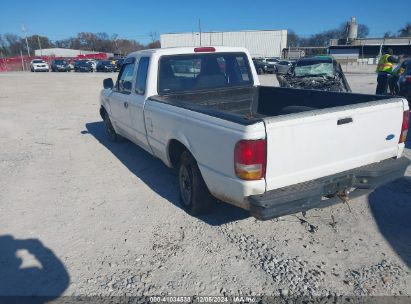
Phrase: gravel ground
(82, 216)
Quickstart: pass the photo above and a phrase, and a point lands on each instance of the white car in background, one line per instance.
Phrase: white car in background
(39, 65)
(93, 64)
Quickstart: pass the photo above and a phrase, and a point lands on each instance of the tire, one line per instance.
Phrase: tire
(260, 71)
(109, 130)
(194, 195)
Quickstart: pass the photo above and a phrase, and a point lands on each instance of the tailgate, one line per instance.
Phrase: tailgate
(309, 145)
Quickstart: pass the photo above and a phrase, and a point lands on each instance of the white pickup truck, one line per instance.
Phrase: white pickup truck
(272, 151)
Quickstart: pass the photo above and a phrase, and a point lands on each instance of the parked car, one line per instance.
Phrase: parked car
(272, 60)
(270, 150)
(270, 64)
(400, 84)
(82, 66)
(39, 65)
(59, 65)
(283, 67)
(261, 66)
(71, 65)
(93, 64)
(105, 66)
(119, 63)
(316, 73)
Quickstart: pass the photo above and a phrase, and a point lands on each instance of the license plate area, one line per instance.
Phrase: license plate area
(338, 184)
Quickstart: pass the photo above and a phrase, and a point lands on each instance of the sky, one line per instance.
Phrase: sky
(60, 19)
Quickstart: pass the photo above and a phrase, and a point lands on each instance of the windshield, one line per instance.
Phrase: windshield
(60, 62)
(184, 73)
(38, 61)
(314, 68)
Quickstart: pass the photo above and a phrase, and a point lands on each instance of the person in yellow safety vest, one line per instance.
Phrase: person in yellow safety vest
(384, 70)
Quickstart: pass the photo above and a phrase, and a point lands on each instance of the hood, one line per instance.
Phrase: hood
(331, 84)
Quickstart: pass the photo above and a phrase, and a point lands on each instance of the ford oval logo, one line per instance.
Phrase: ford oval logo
(389, 137)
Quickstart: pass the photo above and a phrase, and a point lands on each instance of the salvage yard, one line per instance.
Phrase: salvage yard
(104, 218)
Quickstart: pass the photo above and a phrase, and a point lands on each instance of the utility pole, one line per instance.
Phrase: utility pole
(38, 40)
(199, 29)
(24, 30)
(22, 61)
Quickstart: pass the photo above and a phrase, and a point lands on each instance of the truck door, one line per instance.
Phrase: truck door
(136, 105)
(121, 98)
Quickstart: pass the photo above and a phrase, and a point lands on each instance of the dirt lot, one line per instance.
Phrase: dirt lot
(82, 216)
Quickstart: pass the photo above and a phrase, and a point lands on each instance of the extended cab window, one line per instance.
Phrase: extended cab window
(142, 75)
(184, 73)
(125, 78)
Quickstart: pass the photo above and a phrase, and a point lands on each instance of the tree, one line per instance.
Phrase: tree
(363, 31)
(322, 39)
(3, 47)
(154, 45)
(14, 44)
(292, 39)
(11, 44)
(405, 31)
(389, 35)
(45, 42)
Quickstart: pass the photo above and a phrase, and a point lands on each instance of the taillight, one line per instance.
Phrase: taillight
(250, 157)
(408, 78)
(405, 125)
(204, 49)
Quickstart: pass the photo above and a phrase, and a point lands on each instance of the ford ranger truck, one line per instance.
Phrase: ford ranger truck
(272, 151)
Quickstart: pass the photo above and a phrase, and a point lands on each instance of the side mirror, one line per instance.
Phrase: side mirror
(108, 83)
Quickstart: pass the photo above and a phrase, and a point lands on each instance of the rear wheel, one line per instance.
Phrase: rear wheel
(109, 130)
(194, 195)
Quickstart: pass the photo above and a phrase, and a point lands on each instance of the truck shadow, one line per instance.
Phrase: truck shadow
(391, 208)
(30, 272)
(158, 176)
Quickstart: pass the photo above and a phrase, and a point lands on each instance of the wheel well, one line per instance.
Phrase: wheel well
(102, 112)
(175, 149)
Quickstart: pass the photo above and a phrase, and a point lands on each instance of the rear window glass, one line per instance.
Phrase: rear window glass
(184, 73)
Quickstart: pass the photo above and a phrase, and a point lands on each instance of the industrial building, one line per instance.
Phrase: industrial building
(369, 48)
(60, 52)
(265, 43)
(353, 48)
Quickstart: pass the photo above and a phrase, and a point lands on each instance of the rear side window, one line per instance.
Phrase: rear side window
(125, 78)
(142, 75)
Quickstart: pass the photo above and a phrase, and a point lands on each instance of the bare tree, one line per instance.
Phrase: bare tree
(292, 39)
(405, 31)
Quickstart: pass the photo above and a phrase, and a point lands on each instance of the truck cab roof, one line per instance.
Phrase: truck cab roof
(189, 50)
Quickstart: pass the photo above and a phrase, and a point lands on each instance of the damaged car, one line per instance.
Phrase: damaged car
(316, 73)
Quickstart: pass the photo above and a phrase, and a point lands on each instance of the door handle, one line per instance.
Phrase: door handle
(126, 104)
(344, 121)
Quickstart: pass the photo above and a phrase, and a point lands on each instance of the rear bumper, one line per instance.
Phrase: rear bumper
(311, 194)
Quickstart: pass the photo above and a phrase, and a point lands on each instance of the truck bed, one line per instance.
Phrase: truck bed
(251, 104)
